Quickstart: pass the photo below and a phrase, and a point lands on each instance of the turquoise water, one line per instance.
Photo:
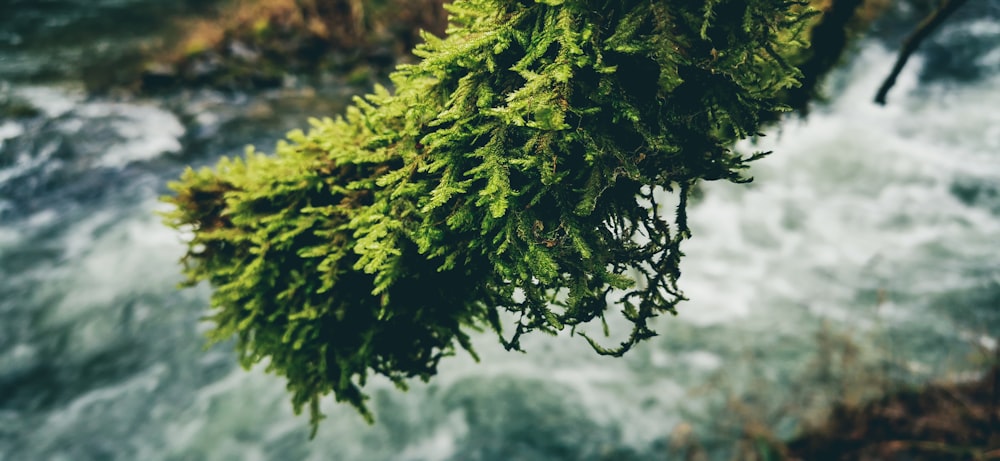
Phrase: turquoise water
(863, 258)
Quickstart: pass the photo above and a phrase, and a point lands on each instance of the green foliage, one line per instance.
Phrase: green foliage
(514, 169)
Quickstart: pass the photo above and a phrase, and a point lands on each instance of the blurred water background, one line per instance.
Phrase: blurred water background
(863, 258)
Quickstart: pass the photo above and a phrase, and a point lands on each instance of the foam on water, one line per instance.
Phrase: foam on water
(99, 134)
(10, 130)
(54, 102)
(146, 132)
(75, 150)
(109, 261)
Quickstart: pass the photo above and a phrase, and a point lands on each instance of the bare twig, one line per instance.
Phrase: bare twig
(928, 25)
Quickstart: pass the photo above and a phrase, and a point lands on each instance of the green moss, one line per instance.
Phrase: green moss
(261, 28)
(513, 170)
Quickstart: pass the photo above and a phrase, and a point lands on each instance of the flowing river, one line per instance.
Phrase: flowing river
(864, 257)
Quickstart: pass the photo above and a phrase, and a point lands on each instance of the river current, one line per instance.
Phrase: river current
(865, 257)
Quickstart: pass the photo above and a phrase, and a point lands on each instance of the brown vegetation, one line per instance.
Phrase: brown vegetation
(255, 43)
(941, 422)
(849, 404)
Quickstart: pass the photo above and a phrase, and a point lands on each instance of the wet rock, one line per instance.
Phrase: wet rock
(159, 76)
(16, 108)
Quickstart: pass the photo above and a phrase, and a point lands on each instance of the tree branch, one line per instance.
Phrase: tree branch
(912, 42)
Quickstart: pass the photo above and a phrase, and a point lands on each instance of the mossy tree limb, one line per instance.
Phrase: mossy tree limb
(515, 169)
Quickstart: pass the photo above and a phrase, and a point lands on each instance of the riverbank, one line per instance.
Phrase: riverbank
(942, 421)
(248, 44)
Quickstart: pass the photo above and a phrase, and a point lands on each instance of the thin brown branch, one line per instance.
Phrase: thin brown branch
(926, 27)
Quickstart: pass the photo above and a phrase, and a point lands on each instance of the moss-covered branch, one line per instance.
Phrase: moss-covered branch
(514, 169)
